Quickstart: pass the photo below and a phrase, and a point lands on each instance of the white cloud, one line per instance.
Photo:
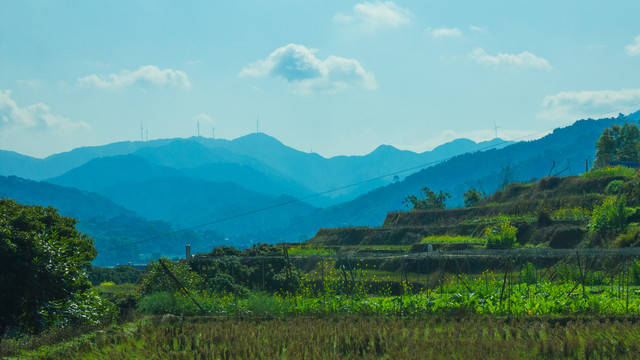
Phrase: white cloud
(634, 48)
(524, 59)
(572, 105)
(444, 32)
(307, 74)
(36, 117)
(32, 83)
(148, 74)
(376, 15)
(204, 119)
(479, 29)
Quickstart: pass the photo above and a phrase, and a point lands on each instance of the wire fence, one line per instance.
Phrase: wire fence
(430, 271)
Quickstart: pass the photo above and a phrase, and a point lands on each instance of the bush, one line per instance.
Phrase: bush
(629, 238)
(500, 236)
(614, 187)
(610, 217)
(158, 281)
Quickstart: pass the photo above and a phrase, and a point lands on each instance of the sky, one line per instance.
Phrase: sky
(332, 77)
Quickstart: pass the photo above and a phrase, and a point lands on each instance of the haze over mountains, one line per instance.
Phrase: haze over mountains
(247, 190)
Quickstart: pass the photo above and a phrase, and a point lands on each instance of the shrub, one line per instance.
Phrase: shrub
(158, 281)
(614, 187)
(610, 217)
(500, 236)
(629, 238)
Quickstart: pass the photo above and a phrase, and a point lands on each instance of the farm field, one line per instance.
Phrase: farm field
(352, 337)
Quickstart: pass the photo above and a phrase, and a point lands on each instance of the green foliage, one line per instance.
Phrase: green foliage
(472, 197)
(629, 238)
(310, 251)
(226, 269)
(609, 172)
(529, 274)
(631, 189)
(571, 213)
(43, 265)
(157, 280)
(431, 200)
(610, 217)
(121, 274)
(618, 143)
(447, 239)
(500, 236)
(614, 187)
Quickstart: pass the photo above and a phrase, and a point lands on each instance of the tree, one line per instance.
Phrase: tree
(431, 200)
(472, 197)
(618, 143)
(43, 270)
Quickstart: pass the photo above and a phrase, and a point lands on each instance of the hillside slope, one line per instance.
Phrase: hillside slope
(570, 147)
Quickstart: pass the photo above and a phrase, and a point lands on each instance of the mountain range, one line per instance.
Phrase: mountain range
(254, 188)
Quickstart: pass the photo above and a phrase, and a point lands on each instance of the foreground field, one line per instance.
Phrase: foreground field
(352, 337)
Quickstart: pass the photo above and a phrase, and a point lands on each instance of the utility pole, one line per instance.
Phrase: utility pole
(141, 132)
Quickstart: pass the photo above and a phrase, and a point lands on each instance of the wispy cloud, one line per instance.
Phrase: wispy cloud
(147, 74)
(479, 29)
(523, 60)
(572, 105)
(633, 49)
(36, 117)
(442, 32)
(31, 83)
(204, 119)
(307, 74)
(376, 15)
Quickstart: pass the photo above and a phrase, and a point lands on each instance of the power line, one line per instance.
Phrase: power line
(301, 199)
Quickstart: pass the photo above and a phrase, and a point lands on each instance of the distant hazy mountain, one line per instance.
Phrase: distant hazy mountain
(257, 162)
(186, 202)
(58, 164)
(69, 201)
(107, 171)
(119, 234)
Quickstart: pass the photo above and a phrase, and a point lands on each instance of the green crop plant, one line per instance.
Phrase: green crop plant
(609, 171)
(500, 236)
(610, 217)
(449, 239)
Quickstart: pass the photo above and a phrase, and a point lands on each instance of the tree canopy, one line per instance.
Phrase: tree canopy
(618, 143)
(431, 200)
(43, 269)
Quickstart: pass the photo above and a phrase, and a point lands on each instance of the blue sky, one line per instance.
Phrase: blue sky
(337, 77)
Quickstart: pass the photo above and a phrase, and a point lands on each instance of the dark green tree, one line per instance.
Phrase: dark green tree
(618, 143)
(629, 147)
(472, 197)
(43, 269)
(431, 200)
